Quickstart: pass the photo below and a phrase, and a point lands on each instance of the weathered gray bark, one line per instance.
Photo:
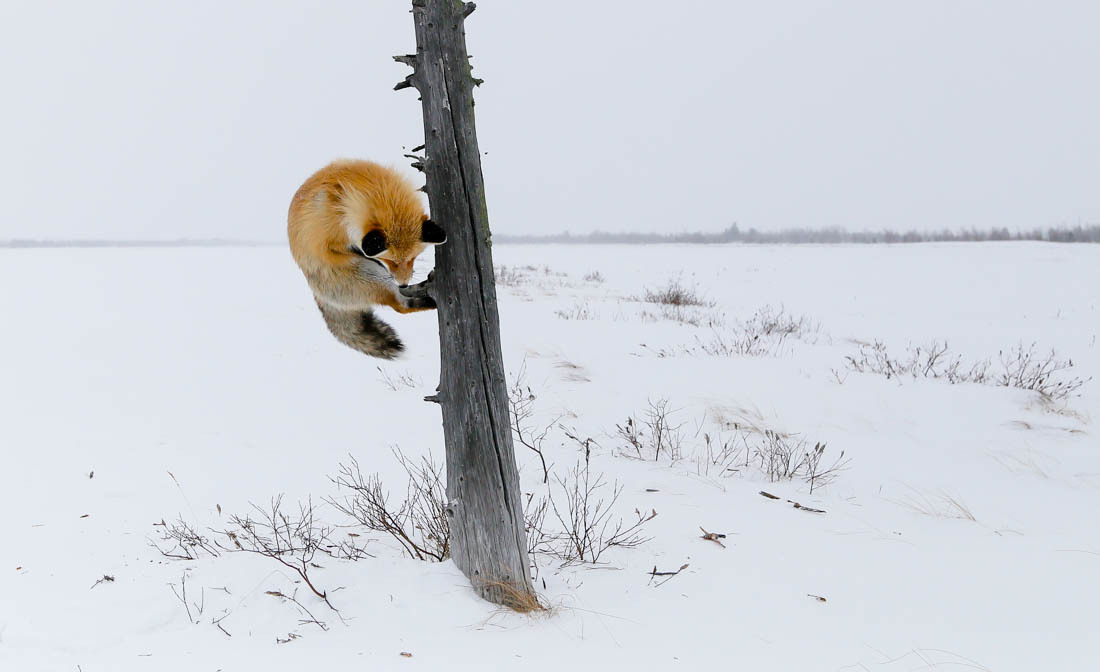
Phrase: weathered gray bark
(488, 542)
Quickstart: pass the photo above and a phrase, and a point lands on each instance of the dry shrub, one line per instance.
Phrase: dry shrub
(778, 456)
(397, 380)
(419, 524)
(541, 540)
(181, 541)
(1021, 367)
(690, 315)
(934, 360)
(675, 293)
(654, 436)
(521, 407)
(722, 455)
(766, 333)
(784, 458)
(582, 504)
(763, 334)
(578, 311)
(1026, 369)
(291, 539)
(510, 276)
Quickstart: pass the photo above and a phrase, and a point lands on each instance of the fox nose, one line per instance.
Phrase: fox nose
(403, 286)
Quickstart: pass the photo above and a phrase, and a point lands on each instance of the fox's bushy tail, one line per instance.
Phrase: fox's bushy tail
(362, 331)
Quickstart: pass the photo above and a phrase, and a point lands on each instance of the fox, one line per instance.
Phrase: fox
(355, 229)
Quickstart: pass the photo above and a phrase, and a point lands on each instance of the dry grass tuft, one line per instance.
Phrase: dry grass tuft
(675, 293)
(513, 597)
(938, 505)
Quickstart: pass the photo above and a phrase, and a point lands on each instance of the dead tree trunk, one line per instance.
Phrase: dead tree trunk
(488, 542)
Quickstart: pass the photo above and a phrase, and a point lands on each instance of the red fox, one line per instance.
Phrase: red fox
(355, 228)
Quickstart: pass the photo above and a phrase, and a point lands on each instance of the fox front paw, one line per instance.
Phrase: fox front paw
(417, 296)
(421, 303)
(420, 289)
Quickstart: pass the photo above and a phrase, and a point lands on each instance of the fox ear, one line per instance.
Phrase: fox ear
(432, 233)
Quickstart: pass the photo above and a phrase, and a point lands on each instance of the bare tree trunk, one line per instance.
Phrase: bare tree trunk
(488, 542)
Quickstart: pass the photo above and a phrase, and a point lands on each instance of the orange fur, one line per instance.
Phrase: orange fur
(355, 230)
(382, 297)
(345, 200)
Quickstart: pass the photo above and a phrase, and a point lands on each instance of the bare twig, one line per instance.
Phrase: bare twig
(655, 435)
(807, 509)
(419, 523)
(588, 528)
(655, 573)
(182, 541)
(292, 541)
(571, 434)
(106, 579)
(397, 381)
(521, 402)
(181, 595)
(312, 619)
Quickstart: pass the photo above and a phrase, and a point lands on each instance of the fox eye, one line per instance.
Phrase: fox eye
(374, 243)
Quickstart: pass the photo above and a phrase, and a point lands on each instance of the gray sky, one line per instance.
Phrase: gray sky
(199, 119)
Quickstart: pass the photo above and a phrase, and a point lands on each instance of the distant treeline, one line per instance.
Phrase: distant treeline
(1077, 234)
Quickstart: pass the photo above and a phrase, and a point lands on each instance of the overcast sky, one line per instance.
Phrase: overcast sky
(200, 119)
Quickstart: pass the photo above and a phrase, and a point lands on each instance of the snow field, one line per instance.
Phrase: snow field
(150, 383)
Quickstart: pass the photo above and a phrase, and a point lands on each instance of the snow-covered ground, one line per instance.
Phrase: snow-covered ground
(141, 385)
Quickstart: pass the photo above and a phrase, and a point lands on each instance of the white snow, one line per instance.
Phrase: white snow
(187, 379)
